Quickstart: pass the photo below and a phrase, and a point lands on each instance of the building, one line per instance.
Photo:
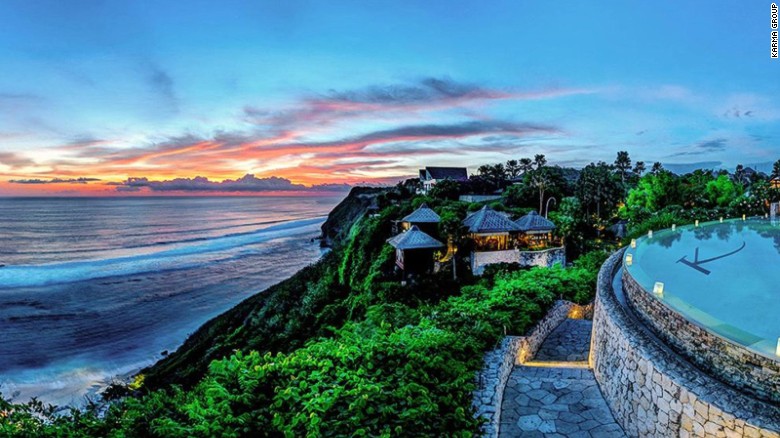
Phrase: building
(775, 182)
(414, 251)
(498, 239)
(432, 175)
(491, 230)
(536, 231)
(424, 218)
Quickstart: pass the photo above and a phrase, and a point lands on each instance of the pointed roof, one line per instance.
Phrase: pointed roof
(423, 215)
(533, 222)
(488, 220)
(455, 173)
(414, 239)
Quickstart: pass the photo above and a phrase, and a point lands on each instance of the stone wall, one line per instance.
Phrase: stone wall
(515, 350)
(491, 381)
(652, 391)
(547, 257)
(733, 363)
(478, 198)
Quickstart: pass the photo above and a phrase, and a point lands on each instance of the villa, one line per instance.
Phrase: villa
(424, 218)
(498, 239)
(414, 251)
(430, 176)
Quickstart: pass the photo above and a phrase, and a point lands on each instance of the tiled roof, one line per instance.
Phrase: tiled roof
(488, 220)
(455, 173)
(414, 239)
(533, 222)
(423, 215)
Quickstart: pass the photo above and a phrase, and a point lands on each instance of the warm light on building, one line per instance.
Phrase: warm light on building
(658, 289)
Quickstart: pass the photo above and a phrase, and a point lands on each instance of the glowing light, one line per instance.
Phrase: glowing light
(743, 217)
(674, 227)
(777, 351)
(658, 289)
(633, 243)
(650, 234)
(721, 219)
(629, 259)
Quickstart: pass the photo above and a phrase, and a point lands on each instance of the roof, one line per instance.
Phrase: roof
(423, 215)
(454, 173)
(488, 220)
(533, 222)
(414, 239)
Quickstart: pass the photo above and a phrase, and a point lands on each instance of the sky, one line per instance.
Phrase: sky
(159, 97)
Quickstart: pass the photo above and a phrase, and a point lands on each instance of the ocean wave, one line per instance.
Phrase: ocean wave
(160, 256)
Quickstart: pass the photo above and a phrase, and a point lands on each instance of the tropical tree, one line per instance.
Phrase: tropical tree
(446, 189)
(776, 169)
(513, 169)
(598, 190)
(657, 167)
(639, 168)
(526, 165)
(540, 161)
(622, 165)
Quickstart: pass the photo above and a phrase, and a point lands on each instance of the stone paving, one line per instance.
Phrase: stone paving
(558, 399)
(570, 341)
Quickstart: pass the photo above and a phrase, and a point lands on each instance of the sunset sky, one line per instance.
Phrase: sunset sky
(110, 97)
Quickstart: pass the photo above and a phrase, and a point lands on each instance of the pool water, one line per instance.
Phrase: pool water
(723, 276)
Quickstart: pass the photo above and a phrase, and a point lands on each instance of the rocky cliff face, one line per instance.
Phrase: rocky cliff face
(353, 207)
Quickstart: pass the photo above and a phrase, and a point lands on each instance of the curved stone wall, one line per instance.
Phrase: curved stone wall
(653, 391)
(731, 362)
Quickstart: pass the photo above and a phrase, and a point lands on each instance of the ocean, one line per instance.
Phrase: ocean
(95, 288)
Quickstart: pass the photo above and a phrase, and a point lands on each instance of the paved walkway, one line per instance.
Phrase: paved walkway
(556, 395)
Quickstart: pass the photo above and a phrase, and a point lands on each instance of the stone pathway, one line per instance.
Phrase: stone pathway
(570, 341)
(556, 395)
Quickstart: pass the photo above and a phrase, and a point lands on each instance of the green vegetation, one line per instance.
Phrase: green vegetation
(342, 348)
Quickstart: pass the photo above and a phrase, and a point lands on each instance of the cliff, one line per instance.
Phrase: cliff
(280, 318)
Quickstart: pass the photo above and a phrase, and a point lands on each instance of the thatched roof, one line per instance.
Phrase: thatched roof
(414, 239)
(488, 220)
(423, 215)
(533, 222)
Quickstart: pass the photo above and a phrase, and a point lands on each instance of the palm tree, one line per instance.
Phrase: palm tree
(512, 168)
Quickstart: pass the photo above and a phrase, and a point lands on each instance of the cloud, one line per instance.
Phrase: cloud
(705, 147)
(247, 183)
(381, 101)
(81, 180)
(161, 83)
(11, 159)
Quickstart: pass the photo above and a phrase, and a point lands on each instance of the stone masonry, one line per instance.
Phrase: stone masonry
(546, 258)
(498, 364)
(733, 363)
(652, 391)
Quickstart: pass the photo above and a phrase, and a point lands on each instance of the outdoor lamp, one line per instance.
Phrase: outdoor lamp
(633, 243)
(674, 227)
(658, 289)
(629, 259)
(721, 219)
(743, 217)
(650, 234)
(696, 223)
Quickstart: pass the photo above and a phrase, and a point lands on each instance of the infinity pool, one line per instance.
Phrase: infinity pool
(722, 276)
